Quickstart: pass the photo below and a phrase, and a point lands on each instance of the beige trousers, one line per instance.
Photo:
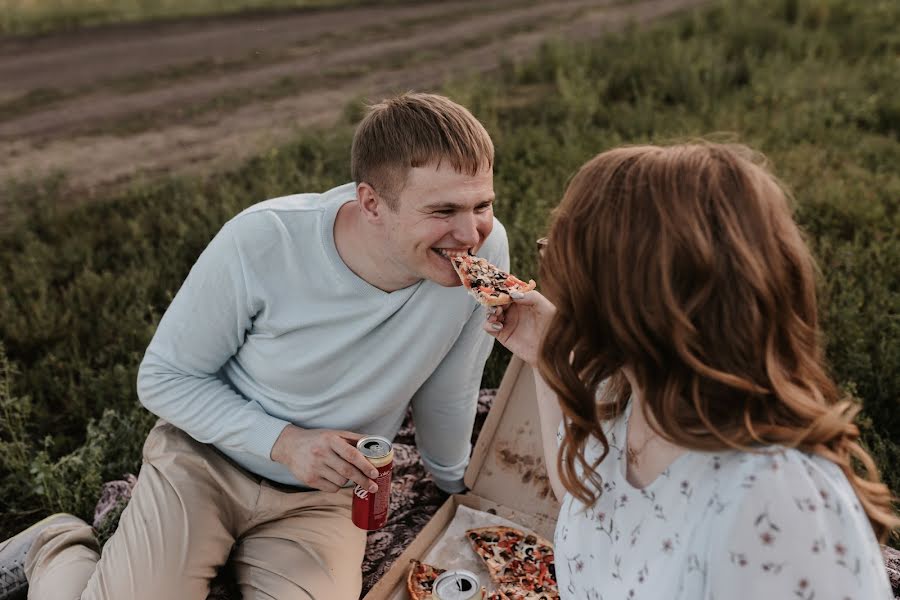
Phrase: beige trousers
(190, 511)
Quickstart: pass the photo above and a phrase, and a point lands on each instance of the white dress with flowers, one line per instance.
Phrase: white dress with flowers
(719, 526)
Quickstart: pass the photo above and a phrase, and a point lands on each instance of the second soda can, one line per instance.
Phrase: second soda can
(370, 511)
(457, 585)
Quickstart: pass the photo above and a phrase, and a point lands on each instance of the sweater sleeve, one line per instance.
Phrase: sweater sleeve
(204, 327)
(444, 406)
(795, 529)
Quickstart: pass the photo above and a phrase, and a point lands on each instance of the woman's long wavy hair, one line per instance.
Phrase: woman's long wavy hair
(684, 264)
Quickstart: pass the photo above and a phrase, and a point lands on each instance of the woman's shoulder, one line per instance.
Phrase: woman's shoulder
(790, 482)
(788, 518)
(777, 472)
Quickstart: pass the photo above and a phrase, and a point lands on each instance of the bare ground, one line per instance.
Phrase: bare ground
(108, 107)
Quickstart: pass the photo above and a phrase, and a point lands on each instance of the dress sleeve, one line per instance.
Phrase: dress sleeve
(203, 327)
(793, 528)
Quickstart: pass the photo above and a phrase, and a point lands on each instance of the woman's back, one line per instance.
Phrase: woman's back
(718, 525)
(679, 286)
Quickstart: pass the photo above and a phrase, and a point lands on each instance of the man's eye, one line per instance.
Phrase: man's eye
(443, 213)
(484, 208)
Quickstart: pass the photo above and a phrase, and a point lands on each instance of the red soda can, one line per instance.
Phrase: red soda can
(370, 511)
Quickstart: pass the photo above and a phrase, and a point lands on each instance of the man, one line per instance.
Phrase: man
(308, 321)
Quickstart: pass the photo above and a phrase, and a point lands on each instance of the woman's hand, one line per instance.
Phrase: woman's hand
(521, 325)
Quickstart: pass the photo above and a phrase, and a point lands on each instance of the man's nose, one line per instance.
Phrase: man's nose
(466, 228)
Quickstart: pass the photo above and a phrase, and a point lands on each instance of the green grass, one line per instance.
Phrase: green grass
(812, 83)
(18, 17)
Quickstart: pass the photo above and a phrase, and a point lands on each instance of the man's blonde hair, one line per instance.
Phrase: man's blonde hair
(415, 130)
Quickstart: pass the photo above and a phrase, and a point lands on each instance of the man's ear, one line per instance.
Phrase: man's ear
(369, 202)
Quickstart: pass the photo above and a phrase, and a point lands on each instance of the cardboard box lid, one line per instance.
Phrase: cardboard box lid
(507, 464)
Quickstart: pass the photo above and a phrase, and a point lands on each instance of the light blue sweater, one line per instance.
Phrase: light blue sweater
(271, 327)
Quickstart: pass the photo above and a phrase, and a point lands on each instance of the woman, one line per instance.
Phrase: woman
(704, 449)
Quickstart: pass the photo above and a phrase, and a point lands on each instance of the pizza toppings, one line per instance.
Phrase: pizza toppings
(521, 592)
(522, 563)
(489, 284)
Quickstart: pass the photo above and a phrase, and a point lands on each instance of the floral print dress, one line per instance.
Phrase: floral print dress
(719, 526)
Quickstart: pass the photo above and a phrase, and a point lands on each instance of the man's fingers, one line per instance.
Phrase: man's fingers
(348, 472)
(353, 456)
(347, 450)
(330, 480)
(351, 436)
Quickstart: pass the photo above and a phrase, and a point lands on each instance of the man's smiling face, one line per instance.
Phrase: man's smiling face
(439, 212)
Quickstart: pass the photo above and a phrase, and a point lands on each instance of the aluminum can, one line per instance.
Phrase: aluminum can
(457, 585)
(370, 511)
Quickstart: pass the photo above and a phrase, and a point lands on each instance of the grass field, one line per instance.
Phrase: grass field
(41, 16)
(811, 83)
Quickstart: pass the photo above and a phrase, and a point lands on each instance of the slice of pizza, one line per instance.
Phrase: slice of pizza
(420, 580)
(495, 545)
(527, 590)
(512, 556)
(487, 283)
(535, 559)
(498, 595)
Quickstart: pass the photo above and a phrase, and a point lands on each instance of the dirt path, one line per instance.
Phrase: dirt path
(134, 102)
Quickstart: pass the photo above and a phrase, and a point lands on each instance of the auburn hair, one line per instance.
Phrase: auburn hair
(684, 263)
(415, 130)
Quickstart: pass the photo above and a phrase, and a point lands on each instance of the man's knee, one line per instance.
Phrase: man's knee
(263, 584)
(280, 568)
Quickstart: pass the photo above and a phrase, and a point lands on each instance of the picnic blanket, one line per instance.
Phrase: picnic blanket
(414, 500)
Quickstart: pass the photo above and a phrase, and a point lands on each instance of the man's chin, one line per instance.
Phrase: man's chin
(448, 284)
(445, 279)
(442, 277)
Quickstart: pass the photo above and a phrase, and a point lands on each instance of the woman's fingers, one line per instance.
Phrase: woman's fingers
(493, 312)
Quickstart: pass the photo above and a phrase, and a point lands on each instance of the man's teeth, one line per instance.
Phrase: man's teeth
(449, 253)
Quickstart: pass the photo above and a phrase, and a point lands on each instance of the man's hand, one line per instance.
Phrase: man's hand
(324, 459)
(521, 325)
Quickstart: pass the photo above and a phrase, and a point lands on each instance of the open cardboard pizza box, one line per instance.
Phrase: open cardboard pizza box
(506, 476)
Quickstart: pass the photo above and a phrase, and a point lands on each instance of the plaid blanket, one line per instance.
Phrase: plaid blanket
(414, 500)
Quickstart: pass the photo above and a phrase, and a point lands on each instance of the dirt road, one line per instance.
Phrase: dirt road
(112, 105)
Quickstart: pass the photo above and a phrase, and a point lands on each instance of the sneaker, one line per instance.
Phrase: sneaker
(13, 584)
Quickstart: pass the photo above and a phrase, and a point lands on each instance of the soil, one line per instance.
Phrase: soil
(110, 106)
